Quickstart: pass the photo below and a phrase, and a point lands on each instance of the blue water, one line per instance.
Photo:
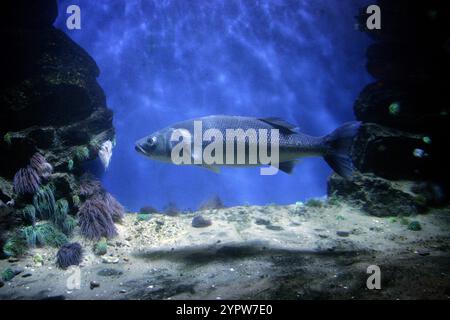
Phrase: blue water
(164, 61)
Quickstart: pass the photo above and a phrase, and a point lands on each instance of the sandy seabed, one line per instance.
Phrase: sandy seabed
(251, 252)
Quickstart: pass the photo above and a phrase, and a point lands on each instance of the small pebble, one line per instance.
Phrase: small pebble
(274, 228)
(110, 260)
(262, 222)
(200, 222)
(94, 284)
(343, 233)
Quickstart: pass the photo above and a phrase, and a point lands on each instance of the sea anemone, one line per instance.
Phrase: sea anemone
(29, 214)
(61, 211)
(44, 234)
(62, 219)
(47, 235)
(89, 186)
(40, 164)
(15, 246)
(69, 225)
(81, 153)
(44, 202)
(95, 219)
(26, 181)
(101, 247)
(69, 254)
(114, 207)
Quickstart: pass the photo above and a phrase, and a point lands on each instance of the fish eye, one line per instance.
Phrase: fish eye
(152, 140)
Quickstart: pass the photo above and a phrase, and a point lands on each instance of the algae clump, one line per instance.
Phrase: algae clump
(414, 226)
(314, 203)
(101, 247)
(8, 274)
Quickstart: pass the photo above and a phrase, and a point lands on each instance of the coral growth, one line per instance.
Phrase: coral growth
(69, 254)
(40, 164)
(95, 219)
(26, 181)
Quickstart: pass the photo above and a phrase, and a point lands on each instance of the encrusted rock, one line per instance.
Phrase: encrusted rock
(51, 101)
(390, 153)
(416, 107)
(376, 196)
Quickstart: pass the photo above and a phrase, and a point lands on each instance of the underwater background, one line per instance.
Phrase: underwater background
(63, 233)
(165, 61)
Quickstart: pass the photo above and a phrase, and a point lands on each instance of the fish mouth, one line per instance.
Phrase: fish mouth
(139, 149)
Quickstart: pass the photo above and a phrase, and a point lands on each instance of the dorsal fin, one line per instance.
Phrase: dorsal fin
(282, 125)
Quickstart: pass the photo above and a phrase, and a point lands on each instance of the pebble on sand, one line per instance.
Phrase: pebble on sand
(200, 222)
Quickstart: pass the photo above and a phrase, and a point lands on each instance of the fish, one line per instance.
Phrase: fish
(284, 138)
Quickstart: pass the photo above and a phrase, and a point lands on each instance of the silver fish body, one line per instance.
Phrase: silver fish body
(291, 144)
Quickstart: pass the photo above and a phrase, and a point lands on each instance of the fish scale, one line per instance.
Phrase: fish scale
(334, 148)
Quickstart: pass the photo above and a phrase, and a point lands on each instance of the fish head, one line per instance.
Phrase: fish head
(155, 146)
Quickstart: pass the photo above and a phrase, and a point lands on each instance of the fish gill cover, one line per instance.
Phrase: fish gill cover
(166, 61)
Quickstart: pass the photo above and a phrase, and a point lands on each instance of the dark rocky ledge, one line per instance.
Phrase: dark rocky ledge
(405, 134)
(50, 100)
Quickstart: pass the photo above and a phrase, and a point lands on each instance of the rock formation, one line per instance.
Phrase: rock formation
(405, 132)
(50, 100)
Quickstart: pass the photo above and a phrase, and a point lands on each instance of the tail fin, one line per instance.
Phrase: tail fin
(339, 144)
